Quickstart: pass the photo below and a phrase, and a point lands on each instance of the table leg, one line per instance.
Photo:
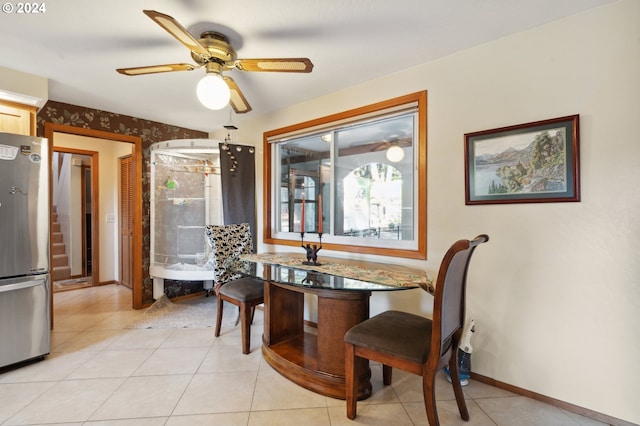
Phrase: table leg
(335, 317)
(284, 310)
(315, 362)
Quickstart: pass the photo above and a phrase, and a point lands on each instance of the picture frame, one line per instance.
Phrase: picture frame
(535, 162)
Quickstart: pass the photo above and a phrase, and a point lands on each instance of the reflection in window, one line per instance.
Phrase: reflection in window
(372, 202)
(357, 181)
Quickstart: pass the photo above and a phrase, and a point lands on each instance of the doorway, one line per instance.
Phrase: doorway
(106, 219)
(73, 218)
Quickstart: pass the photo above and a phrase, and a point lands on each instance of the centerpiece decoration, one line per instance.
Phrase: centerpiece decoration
(312, 250)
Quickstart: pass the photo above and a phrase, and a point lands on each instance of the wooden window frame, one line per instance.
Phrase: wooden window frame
(421, 251)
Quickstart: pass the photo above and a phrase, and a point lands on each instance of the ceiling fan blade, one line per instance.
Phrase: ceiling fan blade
(238, 101)
(174, 28)
(384, 145)
(381, 146)
(275, 64)
(153, 69)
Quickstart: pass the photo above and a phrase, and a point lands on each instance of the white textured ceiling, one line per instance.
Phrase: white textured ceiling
(78, 44)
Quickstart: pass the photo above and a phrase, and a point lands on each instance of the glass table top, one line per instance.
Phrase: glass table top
(306, 278)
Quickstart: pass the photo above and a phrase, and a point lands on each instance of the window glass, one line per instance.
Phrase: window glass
(375, 190)
(371, 197)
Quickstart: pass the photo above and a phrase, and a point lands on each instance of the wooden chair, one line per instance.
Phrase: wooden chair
(230, 241)
(413, 343)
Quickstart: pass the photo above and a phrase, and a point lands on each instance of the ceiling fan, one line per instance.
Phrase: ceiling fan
(213, 52)
(393, 148)
(386, 144)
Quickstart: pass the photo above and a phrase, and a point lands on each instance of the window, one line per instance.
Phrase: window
(358, 177)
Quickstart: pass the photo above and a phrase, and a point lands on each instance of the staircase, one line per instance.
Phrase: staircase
(60, 269)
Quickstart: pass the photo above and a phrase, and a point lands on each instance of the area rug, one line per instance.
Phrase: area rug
(199, 312)
(71, 284)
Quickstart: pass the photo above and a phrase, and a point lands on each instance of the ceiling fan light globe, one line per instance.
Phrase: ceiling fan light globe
(395, 154)
(213, 92)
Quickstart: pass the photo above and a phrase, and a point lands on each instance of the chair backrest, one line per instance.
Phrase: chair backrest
(227, 242)
(450, 295)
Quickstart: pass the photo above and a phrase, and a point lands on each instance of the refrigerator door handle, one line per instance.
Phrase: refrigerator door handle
(25, 284)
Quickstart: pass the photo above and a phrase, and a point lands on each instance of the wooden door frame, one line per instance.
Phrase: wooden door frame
(49, 130)
(95, 206)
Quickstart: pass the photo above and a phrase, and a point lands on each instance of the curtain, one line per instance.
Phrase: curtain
(237, 176)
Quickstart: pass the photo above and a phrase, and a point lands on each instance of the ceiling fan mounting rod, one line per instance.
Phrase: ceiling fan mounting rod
(214, 35)
(214, 67)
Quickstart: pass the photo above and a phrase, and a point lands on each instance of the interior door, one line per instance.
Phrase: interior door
(127, 193)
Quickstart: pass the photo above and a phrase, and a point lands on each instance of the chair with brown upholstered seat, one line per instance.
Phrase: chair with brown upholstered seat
(231, 241)
(413, 343)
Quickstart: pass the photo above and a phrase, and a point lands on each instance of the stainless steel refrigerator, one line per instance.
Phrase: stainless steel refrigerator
(24, 249)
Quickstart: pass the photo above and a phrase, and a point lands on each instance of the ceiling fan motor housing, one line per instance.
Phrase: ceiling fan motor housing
(219, 49)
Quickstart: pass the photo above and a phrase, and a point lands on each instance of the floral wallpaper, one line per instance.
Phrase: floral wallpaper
(149, 132)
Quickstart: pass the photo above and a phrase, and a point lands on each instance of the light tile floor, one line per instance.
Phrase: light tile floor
(101, 373)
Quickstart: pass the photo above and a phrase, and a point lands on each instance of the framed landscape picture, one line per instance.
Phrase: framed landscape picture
(528, 163)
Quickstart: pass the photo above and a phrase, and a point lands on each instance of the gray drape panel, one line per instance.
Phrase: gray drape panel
(239, 186)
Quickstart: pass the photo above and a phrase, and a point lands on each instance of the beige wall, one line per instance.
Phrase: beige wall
(556, 292)
(27, 87)
(109, 151)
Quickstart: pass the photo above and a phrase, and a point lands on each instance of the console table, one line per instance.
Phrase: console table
(315, 360)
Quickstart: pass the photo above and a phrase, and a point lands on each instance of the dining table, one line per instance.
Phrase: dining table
(312, 354)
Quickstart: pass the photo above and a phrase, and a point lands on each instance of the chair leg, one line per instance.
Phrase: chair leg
(219, 315)
(457, 386)
(351, 373)
(387, 373)
(429, 394)
(238, 317)
(245, 325)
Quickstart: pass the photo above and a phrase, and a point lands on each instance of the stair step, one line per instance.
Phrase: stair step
(55, 227)
(60, 260)
(61, 273)
(58, 248)
(56, 237)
